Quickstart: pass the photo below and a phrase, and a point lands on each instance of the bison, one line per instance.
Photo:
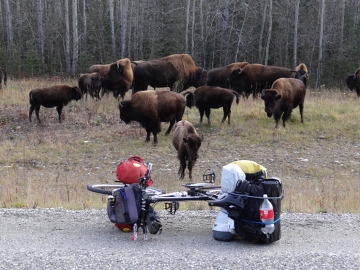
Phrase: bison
(3, 75)
(213, 97)
(220, 76)
(353, 82)
(285, 95)
(187, 143)
(150, 108)
(301, 70)
(117, 77)
(255, 77)
(55, 96)
(177, 71)
(90, 83)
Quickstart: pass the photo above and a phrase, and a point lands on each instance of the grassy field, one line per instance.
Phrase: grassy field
(50, 164)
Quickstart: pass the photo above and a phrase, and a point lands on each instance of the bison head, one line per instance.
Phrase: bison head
(125, 111)
(237, 80)
(77, 93)
(270, 96)
(193, 143)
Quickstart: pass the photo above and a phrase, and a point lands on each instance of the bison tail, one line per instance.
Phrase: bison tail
(190, 99)
(237, 96)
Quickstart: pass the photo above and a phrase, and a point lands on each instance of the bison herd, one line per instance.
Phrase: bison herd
(282, 90)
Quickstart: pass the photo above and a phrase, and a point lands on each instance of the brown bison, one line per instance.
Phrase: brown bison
(150, 108)
(90, 83)
(3, 74)
(220, 76)
(177, 71)
(213, 97)
(254, 77)
(117, 77)
(285, 95)
(187, 143)
(55, 96)
(353, 82)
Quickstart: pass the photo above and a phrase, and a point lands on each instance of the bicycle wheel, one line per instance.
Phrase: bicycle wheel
(103, 188)
(108, 188)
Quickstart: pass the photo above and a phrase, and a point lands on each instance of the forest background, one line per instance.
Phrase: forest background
(63, 38)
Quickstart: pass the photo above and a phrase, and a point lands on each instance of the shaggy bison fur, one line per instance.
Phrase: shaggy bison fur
(187, 143)
(176, 71)
(90, 83)
(254, 77)
(353, 82)
(117, 77)
(285, 95)
(55, 96)
(213, 97)
(220, 76)
(150, 108)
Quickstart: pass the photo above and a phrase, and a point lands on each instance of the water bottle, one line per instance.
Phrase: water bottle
(267, 216)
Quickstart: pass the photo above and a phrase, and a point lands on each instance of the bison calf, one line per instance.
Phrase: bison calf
(90, 83)
(285, 95)
(212, 97)
(187, 143)
(55, 96)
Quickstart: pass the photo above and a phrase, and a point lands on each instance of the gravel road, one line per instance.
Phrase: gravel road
(85, 239)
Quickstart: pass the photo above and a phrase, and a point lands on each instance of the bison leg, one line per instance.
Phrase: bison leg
(32, 108)
(201, 111)
(155, 138)
(207, 113)
(172, 122)
(148, 132)
(301, 108)
(182, 167)
(37, 109)
(59, 110)
(227, 112)
(286, 116)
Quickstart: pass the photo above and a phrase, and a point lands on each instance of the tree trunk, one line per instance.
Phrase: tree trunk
(84, 25)
(67, 37)
(321, 36)
(240, 33)
(262, 33)
(202, 35)
(75, 37)
(112, 28)
(296, 26)
(269, 33)
(9, 30)
(193, 30)
(40, 9)
(123, 23)
(342, 25)
(187, 27)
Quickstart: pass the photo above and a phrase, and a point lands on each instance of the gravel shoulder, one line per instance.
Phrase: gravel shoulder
(85, 239)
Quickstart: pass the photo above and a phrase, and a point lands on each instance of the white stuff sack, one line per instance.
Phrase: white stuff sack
(230, 175)
(224, 227)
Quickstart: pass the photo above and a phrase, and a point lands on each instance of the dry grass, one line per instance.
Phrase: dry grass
(49, 165)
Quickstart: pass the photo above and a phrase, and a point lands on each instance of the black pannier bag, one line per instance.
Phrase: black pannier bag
(249, 197)
(124, 205)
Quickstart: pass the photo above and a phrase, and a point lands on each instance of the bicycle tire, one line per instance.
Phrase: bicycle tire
(107, 189)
